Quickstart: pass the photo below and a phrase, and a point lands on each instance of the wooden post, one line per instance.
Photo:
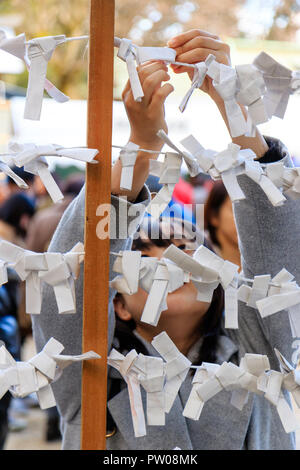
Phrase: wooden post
(98, 190)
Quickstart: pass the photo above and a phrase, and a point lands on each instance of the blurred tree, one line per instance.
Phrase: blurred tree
(286, 20)
(146, 22)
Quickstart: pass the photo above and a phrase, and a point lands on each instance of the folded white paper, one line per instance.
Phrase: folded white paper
(36, 375)
(36, 54)
(280, 83)
(134, 55)
(56, 269)
(230, 163)
(225, 82)
(128, 157)
(198, 79)
(32, 157)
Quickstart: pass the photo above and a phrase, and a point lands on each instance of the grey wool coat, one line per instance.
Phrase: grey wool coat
(269, 240)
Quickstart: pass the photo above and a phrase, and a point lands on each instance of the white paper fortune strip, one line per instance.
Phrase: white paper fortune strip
(251, 89)
(158, 278)
(280, 82)
(36, 375)
(4, 168)
(32, 157)
(177, 367)
(169, 174)
(225, 82)
(160, 379)
(126, 366)
(134, 55)
(198, 79)
(39, 51)
(207, 271)
(128, 157)
(229, 164)
(56, 269)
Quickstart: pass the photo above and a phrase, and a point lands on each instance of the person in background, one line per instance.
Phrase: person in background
(45, 221)
(40, 232)
(12, 188)
(15, 215)
(220, 225)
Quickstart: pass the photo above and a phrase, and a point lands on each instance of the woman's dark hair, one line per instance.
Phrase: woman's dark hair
(12, 210)
(215, 200)
(210, 326)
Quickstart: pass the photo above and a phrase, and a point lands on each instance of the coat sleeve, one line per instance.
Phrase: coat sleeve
(67, 328)
(269, 239)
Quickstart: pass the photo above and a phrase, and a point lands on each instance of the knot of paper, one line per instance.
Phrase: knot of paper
(152, 378)
(56, 269)
(252, 375)
(32, 157)
(280, 82)
(207, 271)
(134, 55)
(158, 278)
(128, 158)
(37, 47)
(283, 294)
(39, 53)
(251, 88)
(229, 164)
(225, 82)
(198, 79)
(125, 365)
(169, 173)
(287, 179)
(177, 367)
(24, 378)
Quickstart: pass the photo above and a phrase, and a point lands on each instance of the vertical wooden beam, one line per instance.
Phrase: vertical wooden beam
(98, 190)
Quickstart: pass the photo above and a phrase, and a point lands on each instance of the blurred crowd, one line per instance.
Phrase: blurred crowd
(29, 219)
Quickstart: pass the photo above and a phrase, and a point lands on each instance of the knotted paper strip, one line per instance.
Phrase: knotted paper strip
(56, 269)
(200, 72)
(126, 366)
(17, 47)
(160, 379)
(158, 278)
(225, 82)
(229, 164)
(251, 86)
(177, 367)
(4, 168)
(128, 157)
(134, 55)
(36, 375)
(169, 172)
(280, 82)
(32, 157)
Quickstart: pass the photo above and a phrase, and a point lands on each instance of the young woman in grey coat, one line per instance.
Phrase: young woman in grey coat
(268, 241)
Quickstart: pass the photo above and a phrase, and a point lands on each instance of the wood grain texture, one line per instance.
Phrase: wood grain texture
(98, 189)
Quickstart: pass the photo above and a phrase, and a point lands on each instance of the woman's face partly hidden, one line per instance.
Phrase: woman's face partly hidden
(182, 303)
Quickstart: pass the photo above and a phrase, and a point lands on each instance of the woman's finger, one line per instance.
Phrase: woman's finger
(199, 55)
(182, 38)
(160, 95)
(152, 82)
(200, 42)
(148, 68)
